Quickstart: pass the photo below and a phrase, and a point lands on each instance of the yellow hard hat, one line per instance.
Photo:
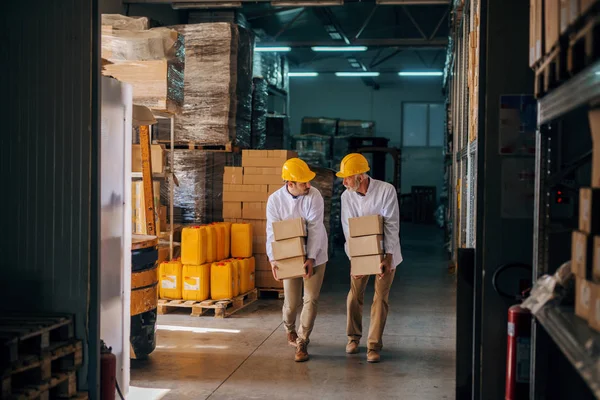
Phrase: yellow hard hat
(296, 170)
(353, 164)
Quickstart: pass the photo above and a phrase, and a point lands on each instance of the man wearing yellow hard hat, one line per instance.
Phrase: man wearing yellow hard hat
(297, 199)
(367, 196)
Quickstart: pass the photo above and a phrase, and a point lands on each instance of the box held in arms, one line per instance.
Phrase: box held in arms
(366, 265)
(289, 248)
(367, 225)
(366, 245)
(290, 228)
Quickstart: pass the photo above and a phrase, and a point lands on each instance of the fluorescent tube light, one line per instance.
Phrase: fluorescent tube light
(352, 74)
(273, 49)
(303, 74)
(339, 48)
(420, 73)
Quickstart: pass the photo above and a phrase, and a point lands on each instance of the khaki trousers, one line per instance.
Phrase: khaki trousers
(379, 309)
(292, 289)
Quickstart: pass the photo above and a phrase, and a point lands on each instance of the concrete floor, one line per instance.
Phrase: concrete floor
(246, 356)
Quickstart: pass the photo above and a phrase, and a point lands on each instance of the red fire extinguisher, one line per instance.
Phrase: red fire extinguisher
(518, 353)
(108, 373)
(518, 356)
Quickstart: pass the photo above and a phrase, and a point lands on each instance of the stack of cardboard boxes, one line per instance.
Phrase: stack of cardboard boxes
(366, 245)
(138, 211)
(246, 190)
(289, 247)
(585, 260)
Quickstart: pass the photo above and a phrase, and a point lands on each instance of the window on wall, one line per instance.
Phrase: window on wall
(422, 124)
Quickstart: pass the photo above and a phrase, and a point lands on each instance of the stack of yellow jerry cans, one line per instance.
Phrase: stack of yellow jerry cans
(216, 262)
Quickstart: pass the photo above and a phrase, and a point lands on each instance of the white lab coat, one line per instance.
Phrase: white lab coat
(381, 199)
(283, 206)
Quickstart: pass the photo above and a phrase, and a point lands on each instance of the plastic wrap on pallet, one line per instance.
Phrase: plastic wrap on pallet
(117, 21)
(340, 148)
(207, 116)
(314, 149)
(270, 67)
(324, 182)
(244, 88)
(319, 126)
(199, 197)
(277, 128)
(152, 61)
(356, 128)
(260, 97)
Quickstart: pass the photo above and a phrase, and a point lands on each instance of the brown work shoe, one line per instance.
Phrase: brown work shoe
(292, 337)
(352, 347)
(301, 351)
(373, 356)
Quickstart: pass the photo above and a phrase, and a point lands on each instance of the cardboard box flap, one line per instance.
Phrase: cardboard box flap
(289, 228)
(365, 226)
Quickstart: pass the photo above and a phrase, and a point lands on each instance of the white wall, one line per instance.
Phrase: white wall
(350, 98)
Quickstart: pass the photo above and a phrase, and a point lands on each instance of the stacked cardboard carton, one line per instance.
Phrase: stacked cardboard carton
(289, 247)
(585, 260)
(246, 190)
(366, 245)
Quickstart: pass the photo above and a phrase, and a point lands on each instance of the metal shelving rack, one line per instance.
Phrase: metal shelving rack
(577, 342)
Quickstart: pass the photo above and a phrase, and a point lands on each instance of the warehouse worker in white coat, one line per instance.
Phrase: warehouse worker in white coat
(367, 196)
(297, 199)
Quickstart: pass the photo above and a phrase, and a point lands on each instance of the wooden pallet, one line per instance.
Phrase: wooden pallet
(271, 293)
(584, 46)
(33, 376)
(221, 308)
(225, 148)
(24, 335)
(551, 71)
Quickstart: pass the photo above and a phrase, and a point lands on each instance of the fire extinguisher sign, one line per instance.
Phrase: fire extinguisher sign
(523, 359)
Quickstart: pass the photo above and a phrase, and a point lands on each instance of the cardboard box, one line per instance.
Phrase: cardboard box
(594, 313)
(262, 262)
(365, 226)
(595, 259)
(255, 153)
(583, 298)
(264, 279)
(581, 254)
(259, 244)
(232, 209)
(290, 228)
(594, 117)
(247, 196)
(289, 248)
(245, 188)
(287, 154)
(273, 188)
(262, 171)
(589, 210)
(233, 175)
(254, 210)
(291, 268)
(263, 162)
(366, 265)
(365, 245)
(157, 155)
(551, 24)
(263, 179)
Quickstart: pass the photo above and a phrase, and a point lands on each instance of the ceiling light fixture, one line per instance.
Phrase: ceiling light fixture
(339, 48)
(303, 74)
(420, 73)
(356, 74)
(273, 49)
